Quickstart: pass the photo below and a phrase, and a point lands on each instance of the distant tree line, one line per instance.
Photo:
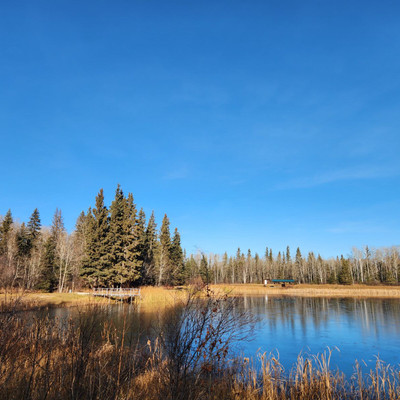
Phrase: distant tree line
(117, 246)
(111, 246)
(365, 266)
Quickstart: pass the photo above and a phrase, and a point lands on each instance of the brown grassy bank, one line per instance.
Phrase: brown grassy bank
(153, 298)
(312, 290)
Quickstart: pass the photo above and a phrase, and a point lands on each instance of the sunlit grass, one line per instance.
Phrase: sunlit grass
(311, 290)
(159, 297)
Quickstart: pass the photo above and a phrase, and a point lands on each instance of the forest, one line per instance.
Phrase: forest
(117, 246)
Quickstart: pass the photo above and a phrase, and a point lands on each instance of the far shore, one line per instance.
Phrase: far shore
(155, 297)
(315, 290)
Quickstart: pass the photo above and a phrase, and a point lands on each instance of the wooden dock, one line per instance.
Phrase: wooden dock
(117, 293)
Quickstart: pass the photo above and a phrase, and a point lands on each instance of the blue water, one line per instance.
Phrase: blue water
(361, 329)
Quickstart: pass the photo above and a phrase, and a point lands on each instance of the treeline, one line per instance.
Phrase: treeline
(111, 246)
(366, 266)
(117, 246)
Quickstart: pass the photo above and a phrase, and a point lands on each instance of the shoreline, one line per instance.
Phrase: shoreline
(309, 290)
(154, 297)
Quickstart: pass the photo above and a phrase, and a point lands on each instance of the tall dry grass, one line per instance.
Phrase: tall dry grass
(158, 298)
(311, 290)
(89, 358)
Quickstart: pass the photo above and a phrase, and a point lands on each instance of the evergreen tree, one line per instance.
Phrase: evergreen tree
(299, 265)
(80, 245)
(332, 277)
(191, 267)
(34, 226)
(345, 277)
(134, 227)
(5, 229)
(164, 267)
(178, 266)
(119, 272)
(288, 258)
(23, 242)
(204, 271)
(149, 252)
(48, 281)
(97, 263)
(35, 249)
(140, 238)
(266, 253)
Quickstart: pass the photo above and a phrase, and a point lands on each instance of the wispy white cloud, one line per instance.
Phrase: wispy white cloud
(345, 174)
(175, 174)
(358, 227)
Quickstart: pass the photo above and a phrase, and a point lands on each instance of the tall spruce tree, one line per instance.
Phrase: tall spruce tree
(36, 249)
(204, 271)
(80, 245)
(97, 263)
(34, 226)
(164, 266)
(119, 272)
(140, 233)
(344, 276)
(133, 241)
(23, 244)
(150, 252)
(177, 260)
(50, 267)
(5, 230)
(48, 281)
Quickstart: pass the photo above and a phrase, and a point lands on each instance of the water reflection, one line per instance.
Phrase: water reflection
(360, 328)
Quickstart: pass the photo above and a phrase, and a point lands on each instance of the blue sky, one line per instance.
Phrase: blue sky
(250, 124)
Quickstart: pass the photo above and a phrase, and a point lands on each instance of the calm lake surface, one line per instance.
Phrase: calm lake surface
(360, 328)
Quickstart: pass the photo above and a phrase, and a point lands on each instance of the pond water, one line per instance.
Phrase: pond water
(361, 329)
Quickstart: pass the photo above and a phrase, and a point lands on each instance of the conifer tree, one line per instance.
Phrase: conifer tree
(133, 240)
(204, 271)
(165, 253)
(191, 267)
(177, 260)
(5, 229)
(332, 277)
(33, 226)
(97, 262)
(35, 249)
(48, 281)
(51, 263)
(299, 265)
(80, 245)
(119, 272)
(140, 238)
(150, 251)
(288, 258)
(345, 277)
(23, 242)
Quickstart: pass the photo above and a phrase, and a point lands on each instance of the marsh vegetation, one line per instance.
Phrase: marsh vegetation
(185, 352)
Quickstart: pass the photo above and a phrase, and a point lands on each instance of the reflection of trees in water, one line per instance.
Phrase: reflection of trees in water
(316, 313)
(298, 315)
